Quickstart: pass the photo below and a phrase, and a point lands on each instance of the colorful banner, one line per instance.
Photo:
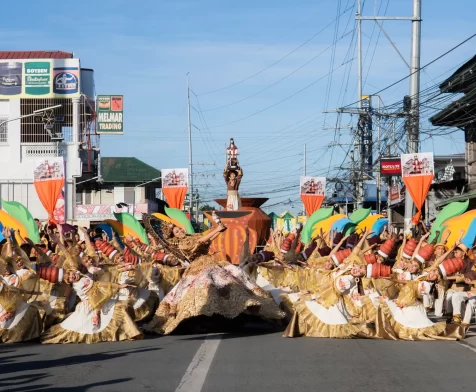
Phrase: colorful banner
(110, 115)
(45, 78)
(312, 190)
(418, 173)
(48, 178)
(390, 167)
(175, 186)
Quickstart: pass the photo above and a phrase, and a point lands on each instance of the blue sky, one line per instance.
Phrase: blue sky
(145, 49)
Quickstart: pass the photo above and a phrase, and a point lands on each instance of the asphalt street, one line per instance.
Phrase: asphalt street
(257, 360)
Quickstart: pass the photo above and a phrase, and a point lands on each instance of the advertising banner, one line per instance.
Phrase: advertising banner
(45, 78)
(394, 195)
(417, 174)
(175, 186)
(110, 114)
(390, 166)
(48, 178)
(312, 190)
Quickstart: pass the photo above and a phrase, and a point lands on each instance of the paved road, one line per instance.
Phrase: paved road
(258, 361)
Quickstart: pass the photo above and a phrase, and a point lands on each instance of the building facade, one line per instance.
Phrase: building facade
(30, 83)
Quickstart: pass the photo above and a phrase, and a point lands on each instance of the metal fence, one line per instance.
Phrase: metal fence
(56, 125)
(3, 130)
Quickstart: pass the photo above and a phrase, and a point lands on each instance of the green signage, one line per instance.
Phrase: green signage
(37, 78)
(110, 114)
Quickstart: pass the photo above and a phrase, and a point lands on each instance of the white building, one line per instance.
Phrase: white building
(29, 82)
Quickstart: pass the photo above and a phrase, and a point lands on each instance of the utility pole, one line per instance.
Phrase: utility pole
(413, 130)
(360, 131)
(190, 165)
(305, 164)
(379, 157)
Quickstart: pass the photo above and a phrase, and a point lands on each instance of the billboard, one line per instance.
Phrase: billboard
(110, 115)
(39, 78)
(390, 166)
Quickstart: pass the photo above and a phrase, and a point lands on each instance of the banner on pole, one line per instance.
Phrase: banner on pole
(48, 178)
(175, 186)
(394, 196)
(312, 191)
(417, 174)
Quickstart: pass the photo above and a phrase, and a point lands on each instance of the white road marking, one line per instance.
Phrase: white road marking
(467, 345)
(194, 377)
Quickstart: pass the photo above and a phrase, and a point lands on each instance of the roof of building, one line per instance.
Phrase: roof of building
(462, 80)
(458, 113)
(463, 197)
(35, 54)
(127, 170)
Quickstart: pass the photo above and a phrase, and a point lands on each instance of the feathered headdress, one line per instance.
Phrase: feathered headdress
(162, 239)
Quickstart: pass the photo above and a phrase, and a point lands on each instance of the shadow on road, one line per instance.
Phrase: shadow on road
(68, 361)
(235, 328)
(82, 388)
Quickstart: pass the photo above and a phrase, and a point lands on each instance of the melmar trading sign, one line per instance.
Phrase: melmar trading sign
(110, 114)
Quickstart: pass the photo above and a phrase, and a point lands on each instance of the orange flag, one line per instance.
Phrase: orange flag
(175, 186)
(312, 193)
(417, 174)
(48, 178)
(312, 203)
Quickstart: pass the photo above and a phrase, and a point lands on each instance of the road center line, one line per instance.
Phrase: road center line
(467, 345)
(194, 377)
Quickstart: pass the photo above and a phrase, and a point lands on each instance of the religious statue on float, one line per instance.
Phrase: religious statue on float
(232, 174)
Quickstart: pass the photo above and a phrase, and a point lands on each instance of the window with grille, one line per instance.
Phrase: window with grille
(3, 130)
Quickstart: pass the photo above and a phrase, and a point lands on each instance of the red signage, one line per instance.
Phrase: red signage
(390, 166)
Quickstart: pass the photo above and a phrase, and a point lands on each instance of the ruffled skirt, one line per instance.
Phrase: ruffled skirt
(115, 325)
(25, 325)
(211, 288)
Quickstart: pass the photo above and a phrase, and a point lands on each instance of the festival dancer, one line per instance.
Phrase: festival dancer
(208, 287)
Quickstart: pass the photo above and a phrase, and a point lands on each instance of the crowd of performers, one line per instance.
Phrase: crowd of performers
(88, 288)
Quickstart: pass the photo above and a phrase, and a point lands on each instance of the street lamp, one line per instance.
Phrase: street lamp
(35, 112)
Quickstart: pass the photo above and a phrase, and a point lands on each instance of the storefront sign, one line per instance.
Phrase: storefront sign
(110, 114)
(390, 167)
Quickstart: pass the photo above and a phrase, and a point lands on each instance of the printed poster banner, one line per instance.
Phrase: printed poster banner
(417, 174)
(110, 114)
(394, 195)
(48, 178)
(175, 186)
(418, 164)
(312, 190)
(315, 186)
(45, 78)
